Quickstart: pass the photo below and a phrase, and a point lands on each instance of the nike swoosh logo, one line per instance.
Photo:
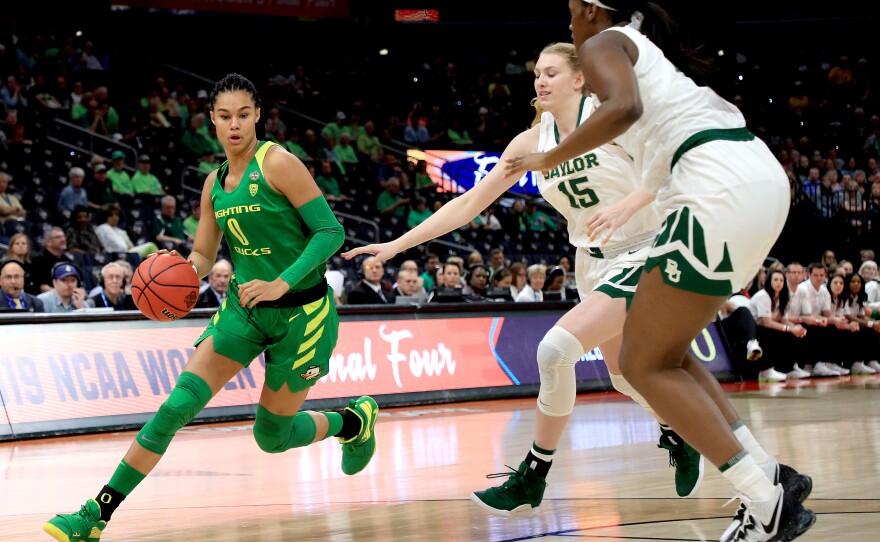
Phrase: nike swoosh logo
(768, 528)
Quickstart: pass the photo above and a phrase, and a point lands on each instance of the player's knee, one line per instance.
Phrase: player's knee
(186, 400)
(623, 386)
(558, 353)
(274, 433)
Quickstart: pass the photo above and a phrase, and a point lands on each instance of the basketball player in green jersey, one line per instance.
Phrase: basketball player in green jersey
(280, 232)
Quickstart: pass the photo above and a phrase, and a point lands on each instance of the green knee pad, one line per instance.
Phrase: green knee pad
(187, 399)
(275, 434)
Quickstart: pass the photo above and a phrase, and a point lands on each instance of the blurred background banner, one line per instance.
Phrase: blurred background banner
(71, 377)
(284, 8)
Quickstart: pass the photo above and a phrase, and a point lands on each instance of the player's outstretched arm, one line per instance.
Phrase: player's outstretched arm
(458, 211)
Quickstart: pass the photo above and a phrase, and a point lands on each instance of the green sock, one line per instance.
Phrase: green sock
(126, 478)
(334, 419)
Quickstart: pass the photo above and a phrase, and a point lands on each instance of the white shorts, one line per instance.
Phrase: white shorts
(615, 277)
(721, 217)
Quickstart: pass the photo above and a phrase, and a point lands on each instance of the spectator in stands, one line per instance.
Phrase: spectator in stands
(779, 337)
(144, 183)
(497, 261)
(518, 282)
(191, 222)
(115, 239)
(794, 275)
(218, 285)
(391, 169)
(866, 254)
(476, 257)
(13, 94)
(429, 275)
(311, 144)
(19, 247)
(536, 219)
(292, 145)
(329, 184)
(477, 280)
(167, 227)
(67, 294)
(12, 282)
(408, 285)
(334, 127)
(120, 180)
(448, 278)
(99, 189)
(418, 213)
(371, 290)
(555, 283)
(857, 311)
(10, 206)
(868, 271)
(514, 219)
(368, 145)
(502, 278)
(845, 267)
(345, 151)
(73, 195)
(487, 220)
(533, 290)
(390, 202)
(112, 294)
(274, 124)
(81, 236)
(195, 140)
(54, 251)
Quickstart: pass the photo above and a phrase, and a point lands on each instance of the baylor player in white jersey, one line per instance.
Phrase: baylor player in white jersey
(596, 192)
(607, 259)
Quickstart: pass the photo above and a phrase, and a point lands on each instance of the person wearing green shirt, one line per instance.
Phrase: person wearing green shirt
(167, 227)
(144, 182)
(419, 212)
(119, 178)
(390, 202)
(368, 145)
(328, 184)
(537, 220)
(345, 151)
(191, 223)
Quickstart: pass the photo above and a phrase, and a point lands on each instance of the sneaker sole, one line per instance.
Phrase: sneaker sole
(796, 527)
(524, 510)
(55, 533)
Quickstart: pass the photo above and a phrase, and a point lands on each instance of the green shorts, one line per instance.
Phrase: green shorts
(298, 341)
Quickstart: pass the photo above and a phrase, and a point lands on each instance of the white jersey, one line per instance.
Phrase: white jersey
(675, 108)
(580, 187)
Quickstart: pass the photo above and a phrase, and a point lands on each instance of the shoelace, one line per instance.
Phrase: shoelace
(513, 472)
(84, 512)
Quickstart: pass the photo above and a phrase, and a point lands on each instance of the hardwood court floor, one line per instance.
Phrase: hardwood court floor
(609, 481)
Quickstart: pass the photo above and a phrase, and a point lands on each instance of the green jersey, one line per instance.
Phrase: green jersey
(265, 233)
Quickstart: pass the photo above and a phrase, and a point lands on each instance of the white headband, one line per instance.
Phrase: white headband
(598, 3)
(637, 16)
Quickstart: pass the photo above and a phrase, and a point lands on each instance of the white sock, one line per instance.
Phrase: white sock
(748, 479)
(745, 437)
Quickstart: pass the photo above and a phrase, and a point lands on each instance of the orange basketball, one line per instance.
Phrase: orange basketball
(165, 287)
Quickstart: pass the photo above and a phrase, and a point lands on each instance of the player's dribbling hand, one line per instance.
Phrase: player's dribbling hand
(383, 251)
(166, 251)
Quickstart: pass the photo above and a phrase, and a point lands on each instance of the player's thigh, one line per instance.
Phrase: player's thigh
(213, 368)
(661, 323)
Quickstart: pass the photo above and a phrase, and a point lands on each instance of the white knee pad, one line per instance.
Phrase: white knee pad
(558, 352)
(621, 385)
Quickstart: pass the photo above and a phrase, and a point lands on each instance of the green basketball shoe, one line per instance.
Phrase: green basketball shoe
(520, 494)
(688, 462)
(82, 526)
(358, 450)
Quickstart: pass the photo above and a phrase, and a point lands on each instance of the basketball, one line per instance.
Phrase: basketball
(165, 287)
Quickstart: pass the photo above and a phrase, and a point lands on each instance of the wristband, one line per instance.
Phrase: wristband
(785, 328)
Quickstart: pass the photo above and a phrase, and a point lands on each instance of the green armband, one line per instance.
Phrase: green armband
(327, 236)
